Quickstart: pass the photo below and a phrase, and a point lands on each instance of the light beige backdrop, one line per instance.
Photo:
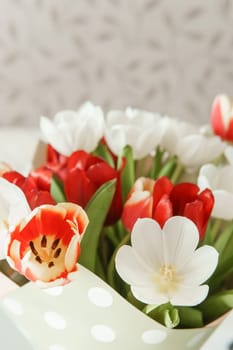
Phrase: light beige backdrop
(170, 56)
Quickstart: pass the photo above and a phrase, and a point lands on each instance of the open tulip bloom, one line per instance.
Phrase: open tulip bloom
(142, 200)
(164, 266)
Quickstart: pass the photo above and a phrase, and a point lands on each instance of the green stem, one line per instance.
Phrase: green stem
(215, 229)
(157, 163)
(177, 173)
(111, 234)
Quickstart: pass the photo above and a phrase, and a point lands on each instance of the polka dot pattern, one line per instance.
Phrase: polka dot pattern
(54, 320)
(103, 333)
(153, 336)
(13, 306)
(88, 314)
(100, 297)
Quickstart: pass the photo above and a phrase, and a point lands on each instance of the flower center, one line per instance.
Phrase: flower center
(167, 278)
(46, 250)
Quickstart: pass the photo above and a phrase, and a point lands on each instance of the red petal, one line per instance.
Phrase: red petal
(217, 118)
(229, 133)
(78, 188)
(181, 195)
(134, 211)
(163, 211)
(162, 186)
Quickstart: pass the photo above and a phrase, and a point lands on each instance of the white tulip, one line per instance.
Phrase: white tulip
(219, 180)
(74, 130)
(140, 129)
(190, 144)
(163, 265)
(13, 208)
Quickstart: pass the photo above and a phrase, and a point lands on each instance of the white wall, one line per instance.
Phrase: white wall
(170, 56)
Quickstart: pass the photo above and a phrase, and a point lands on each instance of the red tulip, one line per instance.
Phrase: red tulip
(222, 117)
(161, 200)
(34, 195)
(85, 174)
(55, 165)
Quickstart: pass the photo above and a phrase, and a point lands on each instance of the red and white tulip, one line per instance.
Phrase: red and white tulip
(222, 117)
(45, 246)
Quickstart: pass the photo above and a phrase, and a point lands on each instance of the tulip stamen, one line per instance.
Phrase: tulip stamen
(55, 243)
(33, 249)
(50, 264)
(57, 253)
(43, 242)
(38, 258)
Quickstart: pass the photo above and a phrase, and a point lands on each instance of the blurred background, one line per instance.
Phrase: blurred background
(165, 56)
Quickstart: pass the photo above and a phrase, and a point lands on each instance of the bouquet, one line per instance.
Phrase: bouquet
(142, 200)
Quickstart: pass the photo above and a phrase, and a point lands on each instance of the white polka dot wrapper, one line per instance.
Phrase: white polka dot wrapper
(88, 314)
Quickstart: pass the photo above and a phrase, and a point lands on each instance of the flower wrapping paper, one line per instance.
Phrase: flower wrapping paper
(97, 318)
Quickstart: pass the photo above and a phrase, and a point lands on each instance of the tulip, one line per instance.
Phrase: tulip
(85, 174)
(219, 180)
(160, 200)
(163, 265)
(192, 147)
(74, 130)
(139, 129)
(34, 195)
(45, 246)
(14, 207)
(222, 117)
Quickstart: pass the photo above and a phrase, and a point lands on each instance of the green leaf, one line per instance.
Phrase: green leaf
(217, 305)
(102, 151)
(128, 173)
(57, 190)
(97, 210)
(224, 269)
(224, 238)
(168, 168)
(190, 317)
(156, 164)
(165, 314)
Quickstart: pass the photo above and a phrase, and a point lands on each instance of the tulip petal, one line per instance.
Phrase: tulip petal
(181, 238)
(13, 204)
(189, 296)
(201, 266)
(223, 205)
(147, 240)
(149, 295)
(132, 268)
(72, 253)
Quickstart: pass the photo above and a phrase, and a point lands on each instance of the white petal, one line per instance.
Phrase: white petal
(189, 296)
(201, 266)
(196, 150)
(58, 138)
(181, 238)
(223, 205)
(149, 295)
(13, 204)
(208, 177)
(228, 152)
(14, 254)
(3, 239)
(146, 238)
(71, 254)
(131, 268)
